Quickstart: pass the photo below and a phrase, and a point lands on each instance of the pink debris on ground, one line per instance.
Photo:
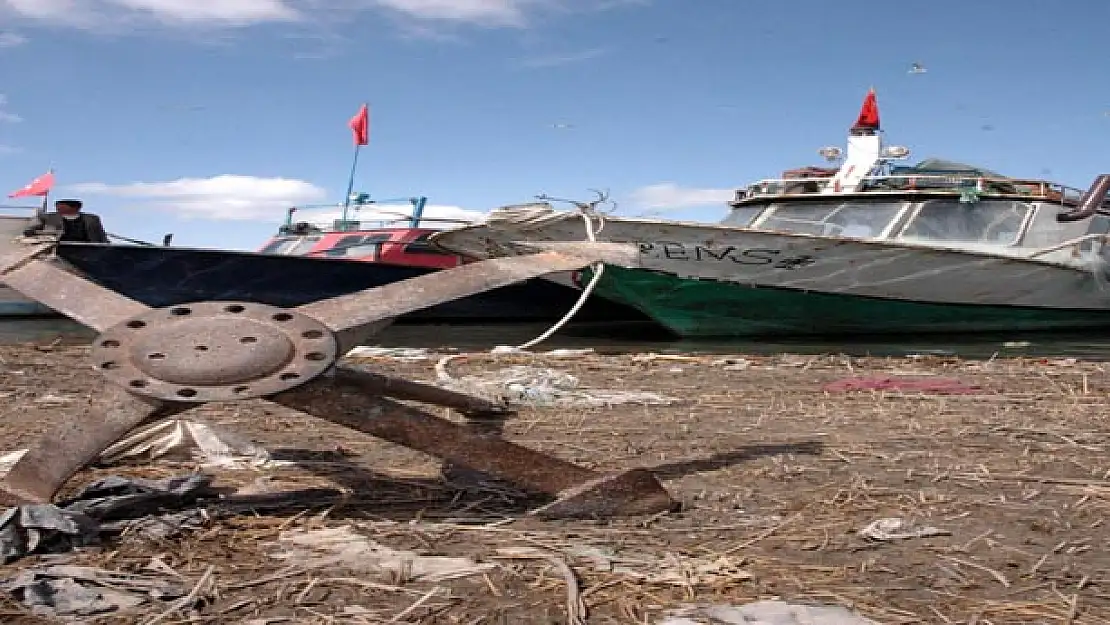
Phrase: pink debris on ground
(946, 386)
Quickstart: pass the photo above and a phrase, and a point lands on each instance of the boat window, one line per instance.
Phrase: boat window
(290, 246)
(421, 245)
(743, 216)
(357, 245)
(996, 222)
(857, 220)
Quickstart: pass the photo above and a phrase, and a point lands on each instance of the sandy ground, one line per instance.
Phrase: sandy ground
(777, 477)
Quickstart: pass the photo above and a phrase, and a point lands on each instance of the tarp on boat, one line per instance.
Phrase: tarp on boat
(943, 166)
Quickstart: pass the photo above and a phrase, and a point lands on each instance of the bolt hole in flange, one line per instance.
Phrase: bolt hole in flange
(262, 350)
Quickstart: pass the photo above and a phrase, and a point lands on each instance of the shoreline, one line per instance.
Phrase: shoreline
(777, 476)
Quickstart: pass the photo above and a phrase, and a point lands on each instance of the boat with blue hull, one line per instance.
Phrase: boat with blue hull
(166, 276)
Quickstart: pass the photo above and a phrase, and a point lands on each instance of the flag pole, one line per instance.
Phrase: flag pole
(350, 183)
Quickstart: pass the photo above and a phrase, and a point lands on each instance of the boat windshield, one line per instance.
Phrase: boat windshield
(857, 219)
(357, 246)
(290, 246)
(993, 222)
(743, 216)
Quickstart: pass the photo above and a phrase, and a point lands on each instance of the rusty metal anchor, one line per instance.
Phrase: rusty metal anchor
(162, 362)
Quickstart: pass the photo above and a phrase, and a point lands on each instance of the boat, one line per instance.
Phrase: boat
(13, 219)
(304, 263)
(871, 246)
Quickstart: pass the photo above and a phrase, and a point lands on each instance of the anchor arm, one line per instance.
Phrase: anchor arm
(342, 399)
(348, 314)
(104, 419)
(47, 282)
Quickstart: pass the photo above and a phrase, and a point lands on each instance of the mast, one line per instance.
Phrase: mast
(865, 147)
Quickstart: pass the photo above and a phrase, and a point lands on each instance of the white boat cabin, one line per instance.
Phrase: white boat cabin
(936, 203)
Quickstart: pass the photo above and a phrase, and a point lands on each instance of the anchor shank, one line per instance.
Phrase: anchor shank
(399, 388)
(48, 464)
(342, 402)
(75, 297)
(355, 310)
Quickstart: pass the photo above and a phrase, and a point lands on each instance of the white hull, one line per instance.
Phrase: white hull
(903, 271)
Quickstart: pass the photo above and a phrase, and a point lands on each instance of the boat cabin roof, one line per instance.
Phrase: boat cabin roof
(395, 245)
(1017, 215)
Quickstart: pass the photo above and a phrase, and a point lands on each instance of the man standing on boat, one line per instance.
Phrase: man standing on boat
(71, 222)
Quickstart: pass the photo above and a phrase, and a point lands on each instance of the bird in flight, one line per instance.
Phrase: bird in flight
(917, 68)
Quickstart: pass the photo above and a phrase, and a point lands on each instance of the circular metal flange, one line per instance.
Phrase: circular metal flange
(214, 351)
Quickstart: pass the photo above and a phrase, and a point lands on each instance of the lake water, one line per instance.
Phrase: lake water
(625, 338)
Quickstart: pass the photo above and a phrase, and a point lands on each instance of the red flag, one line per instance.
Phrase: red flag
(360, 126)
(869, 114)
(39, 186)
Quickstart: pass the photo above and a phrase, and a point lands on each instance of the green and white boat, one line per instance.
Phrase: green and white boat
(868, 247)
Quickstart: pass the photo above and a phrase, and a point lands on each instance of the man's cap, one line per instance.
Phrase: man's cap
(73, 203)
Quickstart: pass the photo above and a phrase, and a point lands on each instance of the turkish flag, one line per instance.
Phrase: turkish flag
(38, 187)
(869, 114)
(360, 126)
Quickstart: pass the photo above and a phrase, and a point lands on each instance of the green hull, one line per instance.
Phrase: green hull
(707, 308)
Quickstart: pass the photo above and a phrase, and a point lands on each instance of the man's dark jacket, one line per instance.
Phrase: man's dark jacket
(94, 230)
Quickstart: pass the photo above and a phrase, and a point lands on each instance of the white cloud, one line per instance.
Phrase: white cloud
(231, 197)
(5, 115)
(668, 195)
(116, 14)
(485, 12)
(223, 197)
(439, 216)
(11, 40)
(556, 60)
(91, 13)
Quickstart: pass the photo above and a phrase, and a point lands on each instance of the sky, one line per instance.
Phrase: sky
(208, 118)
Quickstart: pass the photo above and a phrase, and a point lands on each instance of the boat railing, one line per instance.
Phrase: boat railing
(1073, 243)
(932, 182)
(27, 210)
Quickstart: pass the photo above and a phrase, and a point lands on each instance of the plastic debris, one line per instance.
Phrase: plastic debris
(942, 386)
(187, 440)
(894, 528)
(110, 505)
(395, 353)
(541, 386)
(344, 547)
(72, 591)
(766, 613)
(43, 528)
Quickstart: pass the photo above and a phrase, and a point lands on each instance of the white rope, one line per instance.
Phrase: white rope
(598, 268)
(536, 215)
